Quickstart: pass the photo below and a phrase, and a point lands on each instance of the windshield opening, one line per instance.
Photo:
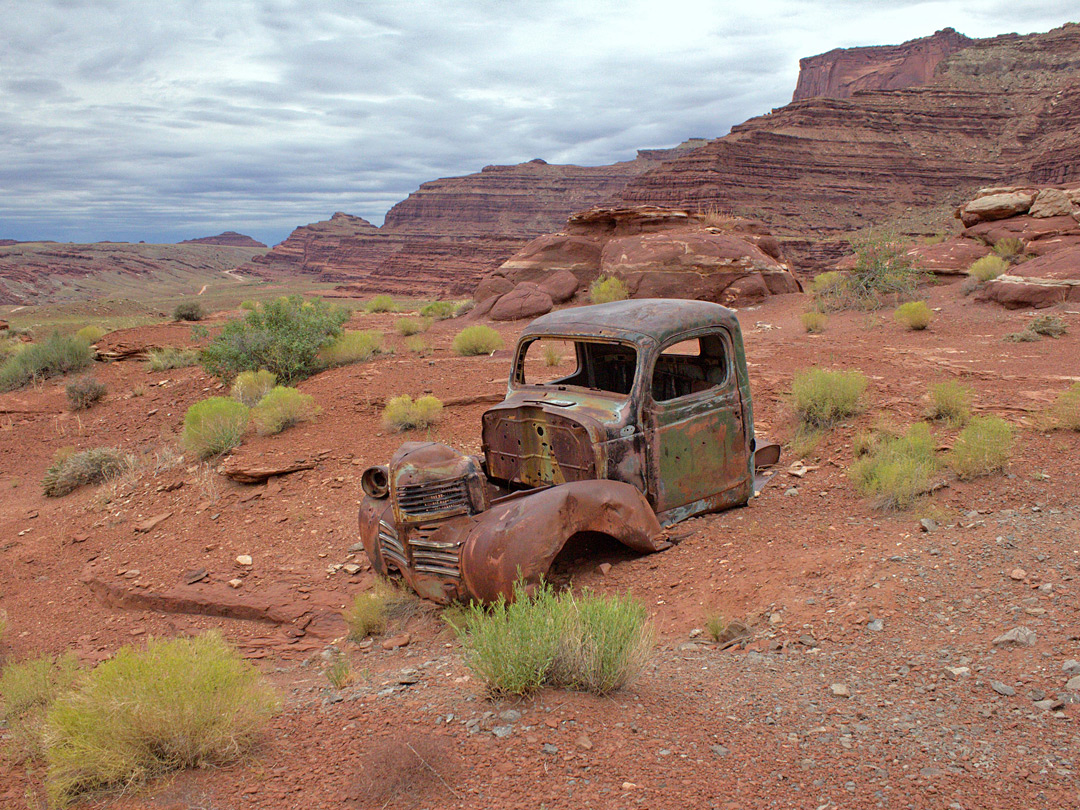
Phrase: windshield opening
(594, 365)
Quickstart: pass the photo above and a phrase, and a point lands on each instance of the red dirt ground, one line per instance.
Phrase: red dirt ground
(746, 727)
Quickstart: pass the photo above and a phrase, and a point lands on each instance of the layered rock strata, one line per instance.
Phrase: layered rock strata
(229, 238)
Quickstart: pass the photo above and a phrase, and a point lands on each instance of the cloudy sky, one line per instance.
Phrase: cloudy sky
(171, 119)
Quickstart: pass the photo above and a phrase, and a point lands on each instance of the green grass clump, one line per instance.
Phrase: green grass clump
(369, 611)
(987, 268)
(1066, 410)
(915, 315)
(170, 357)
(440, 310)
(82, 392)
(552, 355)
(27, 690)
(90, 334)
(715, 626)
(54, 356)
(983, 447)
(283, 336)
(188, 311)
(251, 386)
(410, 326)
(381, 303)
(282, 408)
(476, 340)
(403, 413)
(71, 470)
(418, 344)
(352, 347)
(1048, 326)
(1010, 248)
(950, 402)
(339, 672)
(249, 305)
(825, 283)
(175, 704)
(896, 470)
(822, 398)
(606, 289)
(214, 426)
(591, 643)
(813, 321)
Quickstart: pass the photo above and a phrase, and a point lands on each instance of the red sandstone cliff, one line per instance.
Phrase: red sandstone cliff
(843, 71)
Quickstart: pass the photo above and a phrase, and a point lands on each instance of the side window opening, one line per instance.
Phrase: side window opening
(690, 367)
(606, 367)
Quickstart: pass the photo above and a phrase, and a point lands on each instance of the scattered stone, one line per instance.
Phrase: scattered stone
(356, 548)
(244, 559)
(928, 525)
(1071, 667)
(719, 750)
(584, 742)
(1002, 688)
(840, 690)
(132, 574)
(1049, 704)
(352, 569)
(876, 625)
(251, 471)
(502, 731)
(1073, 684)
(791, 492)
(695, 633)
(400, 640)
(510, 715)
(1018, 574)
(198, 575)
(235, 583)
(629, 786)
(152, 523)
(548, 748)
(808, 641)
(1020, 636)
(604, 568)
(958, 672)
(408, 677)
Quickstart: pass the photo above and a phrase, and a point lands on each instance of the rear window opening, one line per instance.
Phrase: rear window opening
(597, 366)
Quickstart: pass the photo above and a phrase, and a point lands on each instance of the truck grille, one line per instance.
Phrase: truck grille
(392, 550)
(446, 497)
(431, 556)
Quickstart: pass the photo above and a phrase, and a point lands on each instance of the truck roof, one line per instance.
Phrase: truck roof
(634, 319)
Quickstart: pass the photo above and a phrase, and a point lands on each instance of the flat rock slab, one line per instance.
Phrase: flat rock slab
(152, 523)
(246, 470)
(277, 603)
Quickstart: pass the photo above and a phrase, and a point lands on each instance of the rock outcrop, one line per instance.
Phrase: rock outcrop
(229, 238)
(656, 252)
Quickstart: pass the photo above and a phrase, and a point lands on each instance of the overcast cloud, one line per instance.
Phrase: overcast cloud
(166, 120)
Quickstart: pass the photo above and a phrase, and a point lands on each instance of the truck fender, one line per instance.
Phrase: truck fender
(520, 537)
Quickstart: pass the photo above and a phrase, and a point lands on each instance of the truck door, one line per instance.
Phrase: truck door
(694, 420)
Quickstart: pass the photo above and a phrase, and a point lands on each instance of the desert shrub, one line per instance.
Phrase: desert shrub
(410, 326)
(439, 310)
(475, 340)
(249, 305)
(283, 336)
(54, 356)
(214, 426)
(883, 273)
(70, 470)
(822, 398)
(418, 344)
(987, 268)
(90, 334)
(915, 315)
(170, 357)
(175, 704)
(82, 392)
(983, 447)
(403, 413)
(823, 283)
(381, 303)
(370, 610)
(1066, 410)
(814, 321)
(950, 402)
(1026, 336)
(715, 626)
(552, 355)
(251, 386)
(606, 289)
(3, 629)
(339, 672)
(464, 308)
(188, 311)
(593, 643)
(896, 470)
(282, 408)
(27, 690)
(352, 347)
(1048, 326)
(1010, 248)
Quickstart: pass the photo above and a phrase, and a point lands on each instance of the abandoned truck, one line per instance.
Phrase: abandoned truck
(654, 426)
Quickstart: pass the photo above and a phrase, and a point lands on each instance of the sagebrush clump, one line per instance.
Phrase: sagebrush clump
(176, 703)
(403, 413)
(171, 357)
(411, 326)
(915, 315)
(282, 408)
(1010, 248)
(90, 334)
(53, 357)
(418, 344)
(188, 311)
(822, 398)
(251, 386)
(894, 471)
(606, 289)
(82, 392)
(982, 448)
(987, 268)
(369, 611)
(476, 340)
(440, 310)
(1048, 326)
(813, 321)
(214, 426)
(1066, 410)
(71, 470)
(381, 303)
(352, 347)
(27, 689)
(950, 402)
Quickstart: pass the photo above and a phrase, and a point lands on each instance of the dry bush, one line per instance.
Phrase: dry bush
(1027, 336)
(950, 402)
(896, 471)
(406, 770)
(822, 398)
(90, 334)
(55, 356)
(170, 358)
(410, 326)
(82, 392)
(464, 308)
(987, 268)
(70, 470)
(214, 426)
(251, 386)
(175, 704)
(1048, 326)
(352, 347)
(813, 321)
(282, 408)
(381, 303)
(440, 310)
(983, 447)
(476, 340)
(28, 689)
(189, 311)
(1010, 248)
(371, 610)
(419, 345)
(552, 355)
(403, 413)
(1066, 410)
(915, 315)
(883, 273)
(606, 289)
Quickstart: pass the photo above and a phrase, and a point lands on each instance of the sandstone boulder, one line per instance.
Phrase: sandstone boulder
(560, 285)
(1051, 202)
(526, 300)
(492, 287)
(1050, 279)
(999, 206)
(576, 253)
(1026, 228)
(951, 257)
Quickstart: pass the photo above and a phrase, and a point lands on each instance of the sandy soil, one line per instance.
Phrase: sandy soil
(840, 597)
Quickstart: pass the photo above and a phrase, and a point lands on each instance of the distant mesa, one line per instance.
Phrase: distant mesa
(228, 238)
(8, 242)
